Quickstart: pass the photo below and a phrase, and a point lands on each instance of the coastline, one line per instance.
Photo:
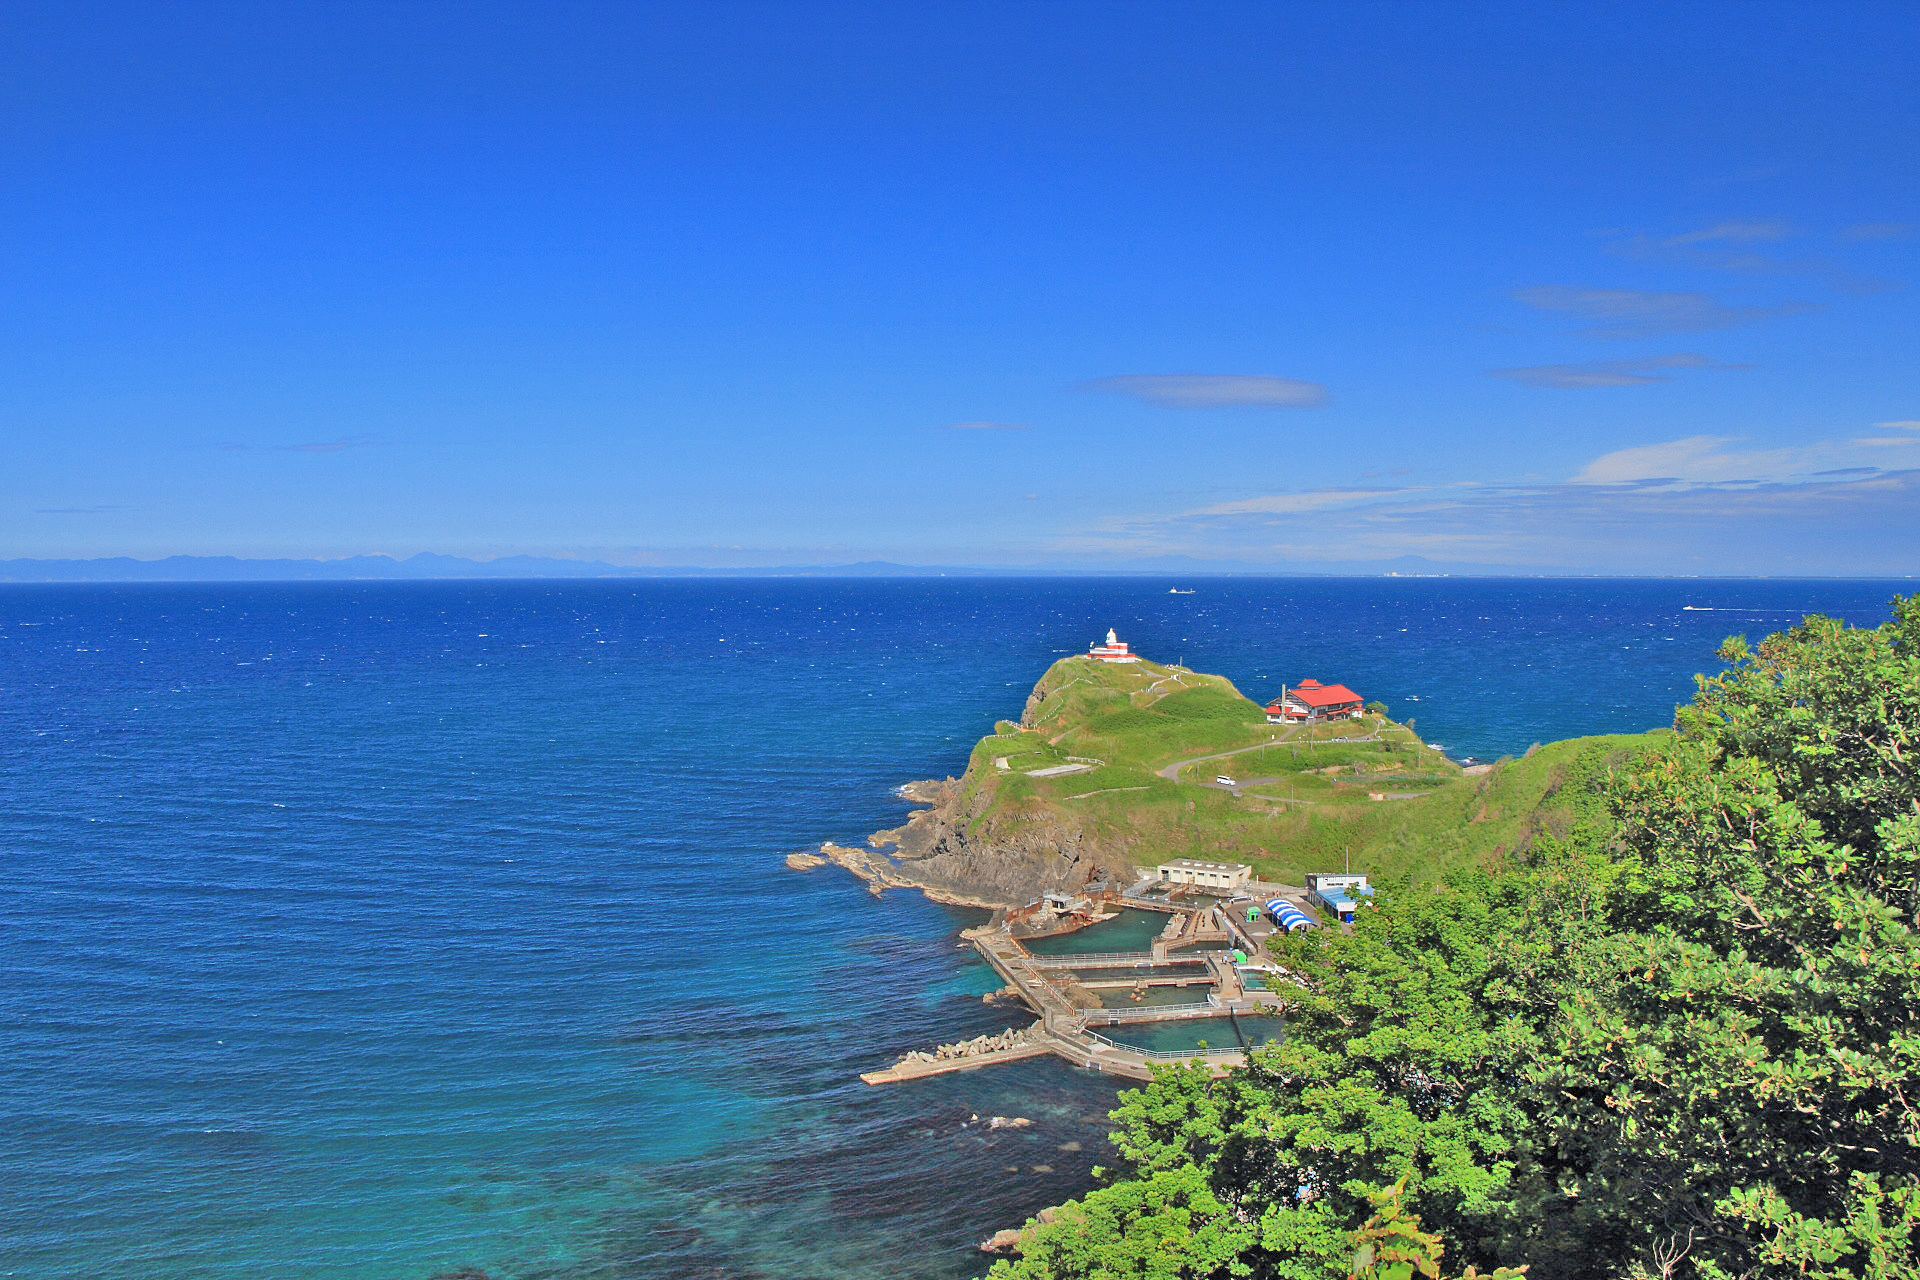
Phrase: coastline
(882, 873)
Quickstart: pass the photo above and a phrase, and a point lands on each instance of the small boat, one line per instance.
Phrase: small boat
(1175, 591)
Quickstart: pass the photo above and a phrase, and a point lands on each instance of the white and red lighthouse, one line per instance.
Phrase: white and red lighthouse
(1114, 650)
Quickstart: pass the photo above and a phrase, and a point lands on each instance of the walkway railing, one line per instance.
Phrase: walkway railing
(1169, 1055)
(1109, 959)
(1156, 1013)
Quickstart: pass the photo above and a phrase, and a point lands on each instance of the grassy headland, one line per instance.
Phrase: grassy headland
(1304, 797)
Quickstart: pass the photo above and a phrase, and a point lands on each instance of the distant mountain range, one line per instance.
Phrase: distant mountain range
(428, 565)
(424, 565)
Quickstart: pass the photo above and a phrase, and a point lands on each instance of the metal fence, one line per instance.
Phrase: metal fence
(1168, 1055)
(1110, 959)
(1155, 1013)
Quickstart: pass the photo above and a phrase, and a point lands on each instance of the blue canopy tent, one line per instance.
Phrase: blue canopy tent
(1288, 916)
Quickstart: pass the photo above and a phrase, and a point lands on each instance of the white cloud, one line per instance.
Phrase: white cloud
(988, 426)
(1904, 424)
(1214, 390)
(1705, 461)
(1699, 459)
(1640, 313)
(1288, 503)
(1610, 373)
(1729, 246)
(1846, 519)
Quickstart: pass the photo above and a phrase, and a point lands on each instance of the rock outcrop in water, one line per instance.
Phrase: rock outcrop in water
(1011, 1038)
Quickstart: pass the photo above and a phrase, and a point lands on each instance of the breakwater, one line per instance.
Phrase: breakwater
(1064, 990)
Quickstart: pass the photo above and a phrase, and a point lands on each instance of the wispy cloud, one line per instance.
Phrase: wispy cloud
(80, 511)
(987, 426)
(1214, 390)
(1610, 373)
(328, 446)
(1724, 246)
(1732, 246)
(1734, 232)
(1893, 442)
(1641, 313)
(1701, 504)
(1288, 503)
(1696, 459)
(1718, 460)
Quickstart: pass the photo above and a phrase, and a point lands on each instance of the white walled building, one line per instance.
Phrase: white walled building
(1229, 877)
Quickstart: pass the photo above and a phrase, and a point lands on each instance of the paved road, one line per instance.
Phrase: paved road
(1172, 772)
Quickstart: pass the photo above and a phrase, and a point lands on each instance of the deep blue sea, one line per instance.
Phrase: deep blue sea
(407, 930)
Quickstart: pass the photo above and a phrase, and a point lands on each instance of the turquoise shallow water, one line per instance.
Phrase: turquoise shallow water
(1132, 930)
(393, 931)
(1198, 1033)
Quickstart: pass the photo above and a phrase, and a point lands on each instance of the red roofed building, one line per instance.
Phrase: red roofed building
(1310, 702)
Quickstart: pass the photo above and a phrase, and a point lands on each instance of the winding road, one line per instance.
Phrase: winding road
(1172, 772)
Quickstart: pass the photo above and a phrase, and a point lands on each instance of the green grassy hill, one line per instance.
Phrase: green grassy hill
(1304, 803)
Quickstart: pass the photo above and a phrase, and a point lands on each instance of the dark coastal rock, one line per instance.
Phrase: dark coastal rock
(961, 850)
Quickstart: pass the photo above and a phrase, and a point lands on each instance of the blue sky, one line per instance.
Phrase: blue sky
(1624, 288)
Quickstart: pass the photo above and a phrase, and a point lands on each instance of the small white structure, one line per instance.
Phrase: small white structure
(1114, 650)
(1339, 894)
(1227, 876)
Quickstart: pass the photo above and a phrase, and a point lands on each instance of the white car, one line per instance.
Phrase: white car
(1225, 781)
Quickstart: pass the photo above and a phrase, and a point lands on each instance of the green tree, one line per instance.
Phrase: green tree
(1677, 1037)
(1166, 1226)
(1746, 1035)
(1391, 1246)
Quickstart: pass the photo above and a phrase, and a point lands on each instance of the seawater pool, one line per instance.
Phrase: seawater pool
(1157, 972)
(1120, 997)
(1248, 1031)
(1132, 930)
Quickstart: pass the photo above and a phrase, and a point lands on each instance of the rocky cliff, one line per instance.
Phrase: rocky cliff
(1011, 829)
(965, 849)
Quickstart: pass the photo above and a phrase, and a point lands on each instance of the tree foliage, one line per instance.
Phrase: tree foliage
(1678, 1038)
(1165, 1226)
(1391, 1246)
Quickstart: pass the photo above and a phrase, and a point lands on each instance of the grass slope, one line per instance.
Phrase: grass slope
(1304, 804)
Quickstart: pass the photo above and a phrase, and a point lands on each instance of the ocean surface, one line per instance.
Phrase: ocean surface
(392, 931)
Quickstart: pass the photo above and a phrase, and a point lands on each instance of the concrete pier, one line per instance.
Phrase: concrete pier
(915, 1070)
(1044, 984)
